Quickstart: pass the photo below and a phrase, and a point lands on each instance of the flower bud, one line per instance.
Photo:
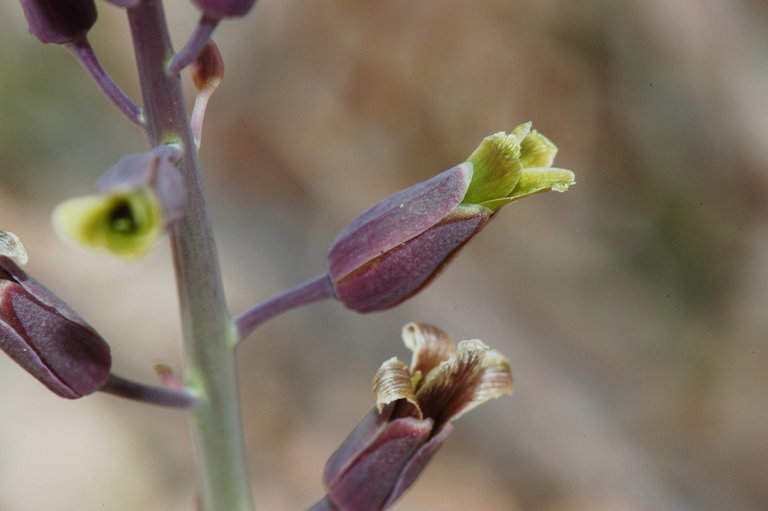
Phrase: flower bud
(59, 21)
(138, 199)
(225, 8)
(394, 249)
(387, 451)
(207, 71)
(47, 338)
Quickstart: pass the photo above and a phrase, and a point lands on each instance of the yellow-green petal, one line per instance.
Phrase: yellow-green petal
(127, 224)
(536, 150)
(533, 181)
(496, 165)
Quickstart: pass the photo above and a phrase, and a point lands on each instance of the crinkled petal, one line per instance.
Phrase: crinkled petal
(429, 344)
(391, 383)
(494, 380)
(11, 246)
(450, 386)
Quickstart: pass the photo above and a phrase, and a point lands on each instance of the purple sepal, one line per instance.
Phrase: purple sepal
(416, 465)
(356, 442)
(225, 8)
(396, 275)
(369, 479)
(47, 338)
(397, 219)
(154, 169)
(59, 21)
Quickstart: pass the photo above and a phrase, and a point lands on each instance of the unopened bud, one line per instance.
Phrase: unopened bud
(47, 338)
(59, 21)
(207, 71)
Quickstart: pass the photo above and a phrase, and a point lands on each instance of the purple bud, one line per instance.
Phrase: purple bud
(225, 8)
(394, 249)
(59, 21)
(47, 338)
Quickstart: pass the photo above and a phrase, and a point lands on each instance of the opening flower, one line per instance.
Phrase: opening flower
(138, 199)
(394, 249)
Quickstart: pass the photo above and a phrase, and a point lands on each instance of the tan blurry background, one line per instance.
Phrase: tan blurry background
(632, 308)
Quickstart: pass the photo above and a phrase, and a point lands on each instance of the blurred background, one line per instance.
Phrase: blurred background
(630, 307)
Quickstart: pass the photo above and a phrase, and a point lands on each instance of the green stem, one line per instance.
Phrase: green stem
(209, 335)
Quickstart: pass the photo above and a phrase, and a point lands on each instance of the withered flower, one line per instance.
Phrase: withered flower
(415, 406)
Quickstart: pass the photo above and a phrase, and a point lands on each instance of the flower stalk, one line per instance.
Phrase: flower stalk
(313, 290)
(81, 49)
(207, 330)
(171, 398)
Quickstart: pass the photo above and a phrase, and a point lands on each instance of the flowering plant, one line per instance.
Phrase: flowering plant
(383, 257)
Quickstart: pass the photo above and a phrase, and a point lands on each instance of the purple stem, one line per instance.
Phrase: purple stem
(313, 290)
(83, 52)
(147, 393)
(194, 46)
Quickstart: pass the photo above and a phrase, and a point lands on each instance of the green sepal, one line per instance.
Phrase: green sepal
(126, 223)
(533, 181)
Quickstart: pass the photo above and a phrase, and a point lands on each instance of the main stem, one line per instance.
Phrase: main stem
(208, 332)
